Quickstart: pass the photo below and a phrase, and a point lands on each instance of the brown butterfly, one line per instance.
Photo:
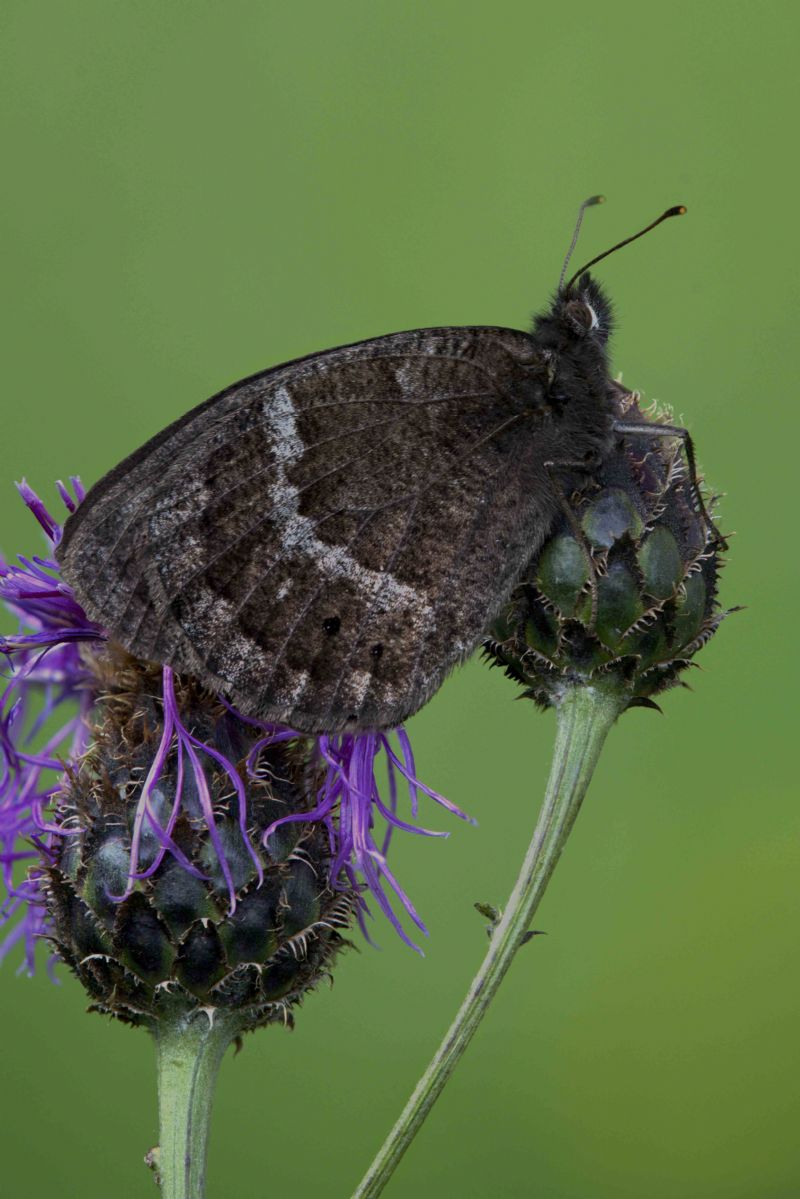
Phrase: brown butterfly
(322, 542)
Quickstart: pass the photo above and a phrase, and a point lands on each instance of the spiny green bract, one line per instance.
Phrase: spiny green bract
(625, 589)
(173, 945)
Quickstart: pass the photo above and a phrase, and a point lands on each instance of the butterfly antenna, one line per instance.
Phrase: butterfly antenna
(677, 210)
(586, 204)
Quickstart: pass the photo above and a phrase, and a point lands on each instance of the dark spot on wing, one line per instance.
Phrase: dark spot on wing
(332, 625)
(376, 651)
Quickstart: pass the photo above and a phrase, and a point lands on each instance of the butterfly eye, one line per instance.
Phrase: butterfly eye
(581, 316)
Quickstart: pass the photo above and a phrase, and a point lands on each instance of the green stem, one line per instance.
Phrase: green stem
(584, 717)
(190, 1049)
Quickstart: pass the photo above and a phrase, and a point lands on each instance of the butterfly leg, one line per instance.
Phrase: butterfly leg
(644, 429)
(574, 524)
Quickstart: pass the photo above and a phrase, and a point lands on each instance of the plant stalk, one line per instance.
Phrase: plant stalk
(189, 1052)
(584, 716)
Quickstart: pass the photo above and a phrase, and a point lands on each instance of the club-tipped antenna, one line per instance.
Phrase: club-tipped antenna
(586, 204)
(676, 210)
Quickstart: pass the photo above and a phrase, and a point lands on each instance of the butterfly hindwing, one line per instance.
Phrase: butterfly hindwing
(324, 541)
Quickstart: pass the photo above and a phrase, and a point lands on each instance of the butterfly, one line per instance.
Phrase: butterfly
(324, 541)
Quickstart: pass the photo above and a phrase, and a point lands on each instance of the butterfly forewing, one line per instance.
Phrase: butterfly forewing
(324, 541)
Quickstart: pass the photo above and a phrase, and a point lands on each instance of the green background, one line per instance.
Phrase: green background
(195, 191)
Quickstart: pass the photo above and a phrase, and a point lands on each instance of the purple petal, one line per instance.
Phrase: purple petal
(47, 681)
(349, 801)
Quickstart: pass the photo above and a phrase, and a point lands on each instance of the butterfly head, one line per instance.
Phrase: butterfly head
(578, 319)
(581, 311)
(584, 311)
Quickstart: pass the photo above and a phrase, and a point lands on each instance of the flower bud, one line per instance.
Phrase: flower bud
(624, 591)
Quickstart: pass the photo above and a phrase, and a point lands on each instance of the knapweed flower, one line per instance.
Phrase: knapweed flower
(624, 592)
(174, 846)
(165, 896)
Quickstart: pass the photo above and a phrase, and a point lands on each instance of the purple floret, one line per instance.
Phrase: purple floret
(47, 687)
(50, 691)
(348, 802)
(176, 738)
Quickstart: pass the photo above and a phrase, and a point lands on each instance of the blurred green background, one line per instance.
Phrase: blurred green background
(196, 191)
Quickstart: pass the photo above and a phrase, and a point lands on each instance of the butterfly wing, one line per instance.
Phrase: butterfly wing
(323, 541)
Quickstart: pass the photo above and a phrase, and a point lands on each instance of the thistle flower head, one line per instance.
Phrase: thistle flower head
(176, 847)
(161, 892)
(624, 591)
